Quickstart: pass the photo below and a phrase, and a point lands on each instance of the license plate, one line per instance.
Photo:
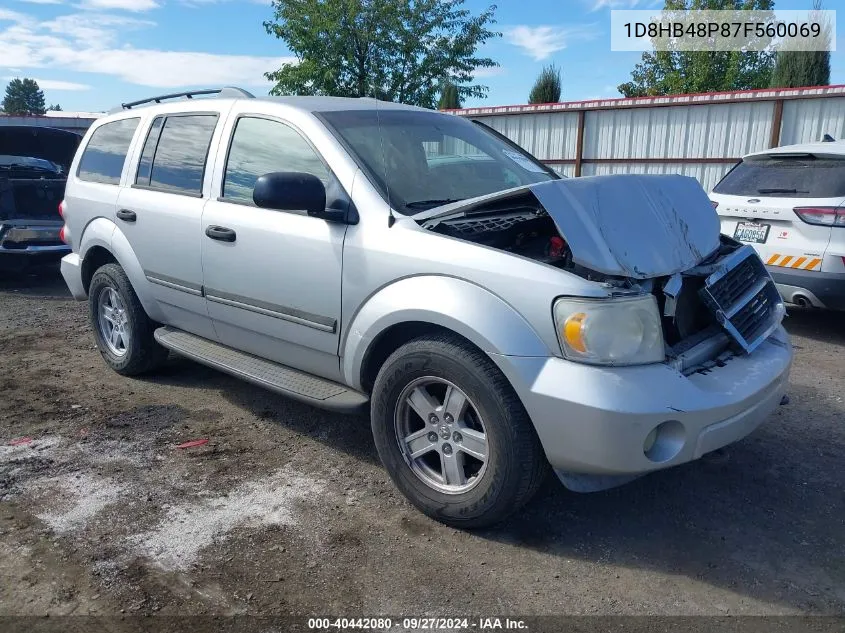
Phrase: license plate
(752, 232)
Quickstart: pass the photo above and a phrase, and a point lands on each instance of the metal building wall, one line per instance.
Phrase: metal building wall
(697, 135)
(688, 133)
(808, 120)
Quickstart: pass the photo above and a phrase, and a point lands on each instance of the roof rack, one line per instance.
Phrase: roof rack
(227, 92)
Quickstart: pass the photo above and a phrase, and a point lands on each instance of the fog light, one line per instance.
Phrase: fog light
(649, 440)
(665, 441)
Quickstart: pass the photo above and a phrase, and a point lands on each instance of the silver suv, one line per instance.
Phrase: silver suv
(495, 318)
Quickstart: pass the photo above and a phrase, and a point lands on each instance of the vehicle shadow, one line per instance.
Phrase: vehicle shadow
(764, 518)
(350, 433)
(826, 326)
(42, 282)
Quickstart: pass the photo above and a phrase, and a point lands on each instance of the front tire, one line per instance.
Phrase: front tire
(453, 435)
(122, 329)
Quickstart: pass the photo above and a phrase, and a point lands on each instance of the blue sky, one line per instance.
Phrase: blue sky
(92, 54)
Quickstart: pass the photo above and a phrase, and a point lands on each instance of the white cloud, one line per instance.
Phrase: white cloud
(202, 3)
(91, 43)
(481, 73)
(128, 5)
(169, 69)
(7, 15)
(598, 5)
(101, 29)
(54, 84)
(540, 42)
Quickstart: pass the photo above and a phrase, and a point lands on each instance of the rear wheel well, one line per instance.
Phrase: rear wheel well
(392, 339)
(96, 257)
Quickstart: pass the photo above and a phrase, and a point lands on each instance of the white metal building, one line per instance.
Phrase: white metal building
(701, 135)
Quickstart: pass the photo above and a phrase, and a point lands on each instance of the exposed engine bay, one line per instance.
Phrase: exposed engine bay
(692, 313)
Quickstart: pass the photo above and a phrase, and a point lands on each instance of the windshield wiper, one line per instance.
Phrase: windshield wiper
(430, 204)
(779, 190)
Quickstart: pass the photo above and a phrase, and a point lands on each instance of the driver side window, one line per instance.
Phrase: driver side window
(260, 146)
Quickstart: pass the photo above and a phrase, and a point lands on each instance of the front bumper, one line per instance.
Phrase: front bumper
(821, 290)
(595, 420)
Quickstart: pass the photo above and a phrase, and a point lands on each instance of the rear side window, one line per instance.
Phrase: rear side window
(174, 154)
(103, 158)
(804, 176)
(260, 146)
(146, 163)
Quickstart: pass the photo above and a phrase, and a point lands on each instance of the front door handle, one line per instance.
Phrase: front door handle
(221, 233)
(126, 215)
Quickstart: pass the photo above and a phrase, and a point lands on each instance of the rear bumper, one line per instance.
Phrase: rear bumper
(32, 238)
(822, 290)
(71, 268)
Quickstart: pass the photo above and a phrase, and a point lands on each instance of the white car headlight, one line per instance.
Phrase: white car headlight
(617, 331)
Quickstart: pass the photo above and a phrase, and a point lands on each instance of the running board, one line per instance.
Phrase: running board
(264, 373)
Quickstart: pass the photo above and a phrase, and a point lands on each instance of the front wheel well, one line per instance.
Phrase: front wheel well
(392, 339)
(96, 257)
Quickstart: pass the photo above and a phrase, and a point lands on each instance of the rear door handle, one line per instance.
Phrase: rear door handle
(221, 233)
(126, 215)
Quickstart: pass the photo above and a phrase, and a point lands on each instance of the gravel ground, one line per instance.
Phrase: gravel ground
(286, 509)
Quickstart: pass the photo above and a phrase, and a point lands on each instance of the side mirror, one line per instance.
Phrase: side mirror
(290, 191)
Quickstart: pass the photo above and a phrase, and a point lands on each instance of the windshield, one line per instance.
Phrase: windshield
(420, 160)
(10, 162)
(786, 176)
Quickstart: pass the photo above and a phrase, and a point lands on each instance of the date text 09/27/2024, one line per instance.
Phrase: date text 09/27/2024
(417, 624)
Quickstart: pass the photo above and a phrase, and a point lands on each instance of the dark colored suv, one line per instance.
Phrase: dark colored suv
(33, 172)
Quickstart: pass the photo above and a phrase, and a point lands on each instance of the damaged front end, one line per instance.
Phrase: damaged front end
(635, 235)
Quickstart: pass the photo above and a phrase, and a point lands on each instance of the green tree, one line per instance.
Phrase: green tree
(23, 96)
(798, 68)
(397, 50)
(547, 87)
(679, 72)
(55, 107)
(449, 98)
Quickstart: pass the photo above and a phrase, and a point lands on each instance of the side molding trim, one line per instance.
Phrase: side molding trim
(300, 317)
(175, 284)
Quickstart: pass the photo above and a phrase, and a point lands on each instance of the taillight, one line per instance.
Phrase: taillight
(62, 235)
(715, 204)
(821, 216)
(62, 209)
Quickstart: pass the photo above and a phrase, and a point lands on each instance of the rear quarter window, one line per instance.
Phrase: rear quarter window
(805, 176)
(104, 156)
(175, 153)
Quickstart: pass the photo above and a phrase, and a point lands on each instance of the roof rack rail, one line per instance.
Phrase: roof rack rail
(227, 92)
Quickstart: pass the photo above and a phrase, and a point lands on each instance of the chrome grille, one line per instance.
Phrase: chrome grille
(744, 298)
(732, 286)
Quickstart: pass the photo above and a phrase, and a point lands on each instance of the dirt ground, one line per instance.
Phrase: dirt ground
(286, 509)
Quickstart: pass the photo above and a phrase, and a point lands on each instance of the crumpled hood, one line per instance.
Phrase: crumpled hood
(633, 225)
(48, 143)
(629, 225)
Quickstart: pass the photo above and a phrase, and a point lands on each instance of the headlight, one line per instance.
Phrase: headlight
(618, 331)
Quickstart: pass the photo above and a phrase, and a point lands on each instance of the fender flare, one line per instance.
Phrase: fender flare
(467, 309)
(97, 232)
(105, 233)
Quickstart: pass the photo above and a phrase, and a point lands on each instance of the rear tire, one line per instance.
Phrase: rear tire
(439, 370)
(122, 329)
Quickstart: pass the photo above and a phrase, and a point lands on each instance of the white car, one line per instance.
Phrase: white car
(787, 202)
